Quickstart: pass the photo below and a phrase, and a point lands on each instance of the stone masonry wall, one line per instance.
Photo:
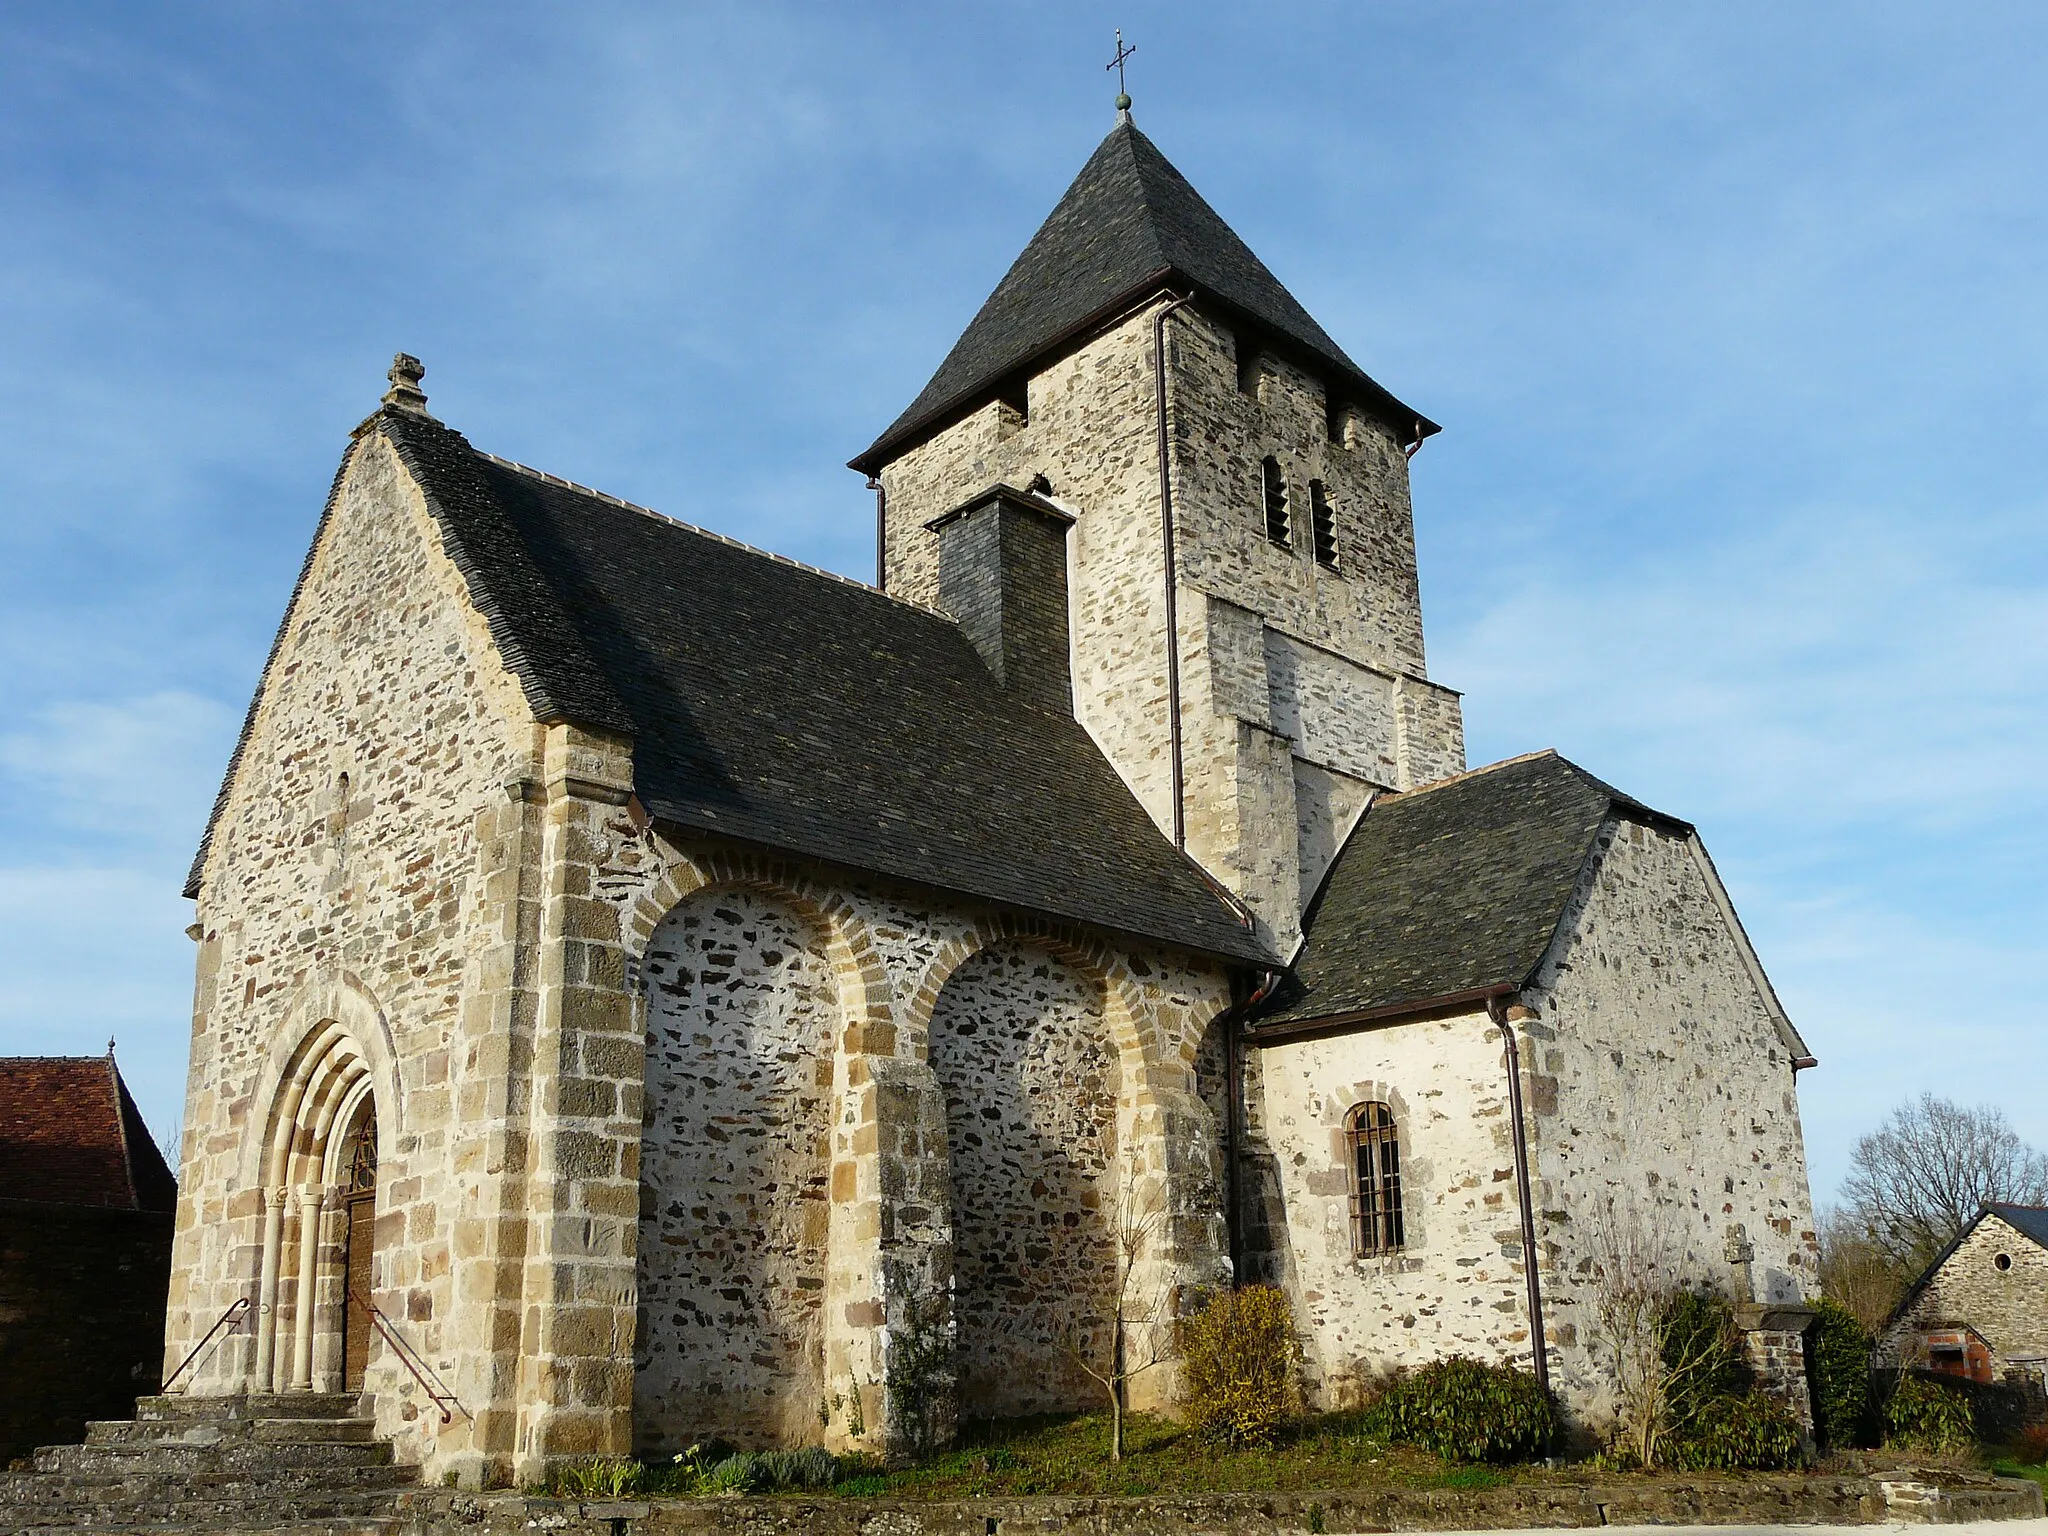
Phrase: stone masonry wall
(1030, 1075)
(352, 856)
(1660, 1093)
(741, 1002)
(2008, 1307)
(908, 968)
(1280, 655)
(1456, 1287)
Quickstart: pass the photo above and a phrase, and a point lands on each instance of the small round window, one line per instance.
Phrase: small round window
(2003, 1261)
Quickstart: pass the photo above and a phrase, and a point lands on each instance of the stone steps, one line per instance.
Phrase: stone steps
(307, 1464)
(223, 1431)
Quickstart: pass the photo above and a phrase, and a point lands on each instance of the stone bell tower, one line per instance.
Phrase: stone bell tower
(1234, 480)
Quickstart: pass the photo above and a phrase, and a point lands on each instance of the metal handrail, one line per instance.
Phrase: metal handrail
(232, 1318)
(442, 1398)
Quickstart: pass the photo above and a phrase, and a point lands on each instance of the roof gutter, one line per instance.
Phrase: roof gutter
(1233, 1056)
(1175, 767)
(1539, 1350)
(1344, 1023)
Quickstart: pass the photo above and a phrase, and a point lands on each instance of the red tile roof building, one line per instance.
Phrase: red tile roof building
(71, 1135)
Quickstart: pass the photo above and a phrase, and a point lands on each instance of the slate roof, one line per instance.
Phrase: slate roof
(798, 710)
(1449, 891)
(2032, 1220)
(71, 1135)
(1129, 225)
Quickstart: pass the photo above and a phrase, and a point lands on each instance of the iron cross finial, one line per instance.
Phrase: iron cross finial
(1123, 97)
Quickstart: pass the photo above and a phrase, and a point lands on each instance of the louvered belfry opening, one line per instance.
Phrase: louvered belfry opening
(1322, 524)
(1377, 1229)
(1275, 485)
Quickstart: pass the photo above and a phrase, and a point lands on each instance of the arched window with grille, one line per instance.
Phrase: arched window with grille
(1375, 1146)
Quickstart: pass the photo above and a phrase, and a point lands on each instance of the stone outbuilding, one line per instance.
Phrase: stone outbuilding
(651, 989)
(1980, 1310)
(86, 1204)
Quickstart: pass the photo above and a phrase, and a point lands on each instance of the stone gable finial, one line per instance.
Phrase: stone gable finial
(405, 393)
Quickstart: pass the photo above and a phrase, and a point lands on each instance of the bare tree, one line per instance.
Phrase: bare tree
(1135, 1314)
(1855, 1273)
(1917, 1180)
(1636, 1289)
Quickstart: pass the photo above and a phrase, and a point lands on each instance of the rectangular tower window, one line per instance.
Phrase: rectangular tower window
(1276, 504)
(1322, 525)
(1013, 407)
(1334, 412)
(1249, 367)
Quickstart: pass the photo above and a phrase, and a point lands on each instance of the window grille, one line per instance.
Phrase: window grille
(1376, 1225)
(362, 1159)
(1322, 524)
(1276, 504)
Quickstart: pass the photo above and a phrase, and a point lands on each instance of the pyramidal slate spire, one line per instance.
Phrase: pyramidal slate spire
(1129, 226)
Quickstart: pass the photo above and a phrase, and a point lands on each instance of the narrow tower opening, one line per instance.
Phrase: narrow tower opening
(1322, 525)
(1276, 503)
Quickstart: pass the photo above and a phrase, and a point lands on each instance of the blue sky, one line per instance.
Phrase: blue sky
(1733, 315)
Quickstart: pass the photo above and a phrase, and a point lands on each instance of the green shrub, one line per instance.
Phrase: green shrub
(1703, 1364)
(1918, 1415)
(1840, 1379)
(811, 1467)
(602, 1477)
(1729, 1434)
(742, 1472)
(1463, 1410)
(1241, 1366)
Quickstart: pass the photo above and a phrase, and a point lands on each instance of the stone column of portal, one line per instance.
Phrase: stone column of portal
(580, 1283)
(302, 1309)
(266, 1292)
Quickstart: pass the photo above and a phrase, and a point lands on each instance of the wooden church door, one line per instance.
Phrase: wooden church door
(361, 1205)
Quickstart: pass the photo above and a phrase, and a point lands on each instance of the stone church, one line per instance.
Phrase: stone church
(651, 989)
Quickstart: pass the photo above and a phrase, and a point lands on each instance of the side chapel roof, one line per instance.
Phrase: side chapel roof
(71, 1135)
(1129, 225)
(1450, 891)
(794, 709)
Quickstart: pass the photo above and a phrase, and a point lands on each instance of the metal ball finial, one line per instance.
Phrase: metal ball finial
(1123, 102)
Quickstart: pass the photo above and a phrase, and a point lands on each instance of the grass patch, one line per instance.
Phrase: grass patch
(2007, 1468)
(1069, 1454)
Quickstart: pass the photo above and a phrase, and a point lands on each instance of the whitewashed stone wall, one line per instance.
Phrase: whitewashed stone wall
(2008, 1307)
(1457, 1286)
(735, 1167)
(1031, 1078)
(1659, 1082)
(1281, 657)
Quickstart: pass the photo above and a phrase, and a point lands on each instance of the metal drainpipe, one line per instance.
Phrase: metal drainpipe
(1539, 1350)
(1174, 769)
(1233, 1072)
(881, 534)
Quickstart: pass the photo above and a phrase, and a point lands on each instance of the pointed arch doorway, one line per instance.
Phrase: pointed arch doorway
(359, 1248)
